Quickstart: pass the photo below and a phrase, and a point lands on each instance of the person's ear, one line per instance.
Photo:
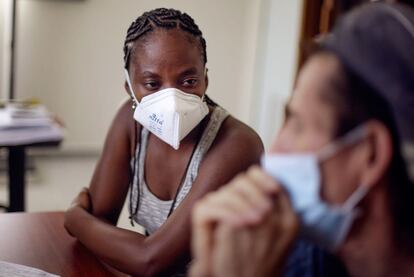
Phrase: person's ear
(379, 153)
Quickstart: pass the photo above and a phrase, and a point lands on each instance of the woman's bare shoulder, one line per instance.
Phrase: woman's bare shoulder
(123, 127)
(124, 114)
(236, 147)
(235, 134)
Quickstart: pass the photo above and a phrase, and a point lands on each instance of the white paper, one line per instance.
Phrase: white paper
(16, 270)
(13, 117)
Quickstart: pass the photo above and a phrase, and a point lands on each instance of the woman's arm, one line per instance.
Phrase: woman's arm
(234, 150)
(111, 178)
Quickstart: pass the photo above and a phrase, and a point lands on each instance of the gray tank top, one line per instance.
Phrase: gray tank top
(152, 211)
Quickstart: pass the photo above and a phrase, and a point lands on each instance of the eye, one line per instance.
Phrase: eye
(190, 82)
(151, 85)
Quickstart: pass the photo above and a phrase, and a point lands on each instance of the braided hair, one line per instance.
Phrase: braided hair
(165, 19)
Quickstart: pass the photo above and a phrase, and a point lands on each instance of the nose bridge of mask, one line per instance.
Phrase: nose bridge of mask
(336, 146)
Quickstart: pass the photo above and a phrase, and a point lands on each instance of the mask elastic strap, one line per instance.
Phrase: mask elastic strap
(130, 85)
(356, 197)
(350, 138)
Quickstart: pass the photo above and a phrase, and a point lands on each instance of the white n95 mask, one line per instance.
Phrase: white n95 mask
(170, 114)
(299, 174)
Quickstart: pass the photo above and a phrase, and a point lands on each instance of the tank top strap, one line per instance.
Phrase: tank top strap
(207, 138)
(141, 154)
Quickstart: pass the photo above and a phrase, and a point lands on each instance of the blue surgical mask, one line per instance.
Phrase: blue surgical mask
(322, 223)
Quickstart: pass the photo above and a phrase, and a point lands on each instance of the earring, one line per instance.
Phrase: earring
(134, 103)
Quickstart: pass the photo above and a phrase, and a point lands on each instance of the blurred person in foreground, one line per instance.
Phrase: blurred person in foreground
(340, 171)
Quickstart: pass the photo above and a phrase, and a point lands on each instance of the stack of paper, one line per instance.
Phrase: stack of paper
(26, 123)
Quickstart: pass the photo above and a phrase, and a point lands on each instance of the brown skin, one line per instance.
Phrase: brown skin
(166, 59)
(310, 123)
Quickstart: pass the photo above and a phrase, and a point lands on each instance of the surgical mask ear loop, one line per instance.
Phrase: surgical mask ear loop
(128, 79)
(356, 197)
(331, 149)
(349, 207)
(348, 139)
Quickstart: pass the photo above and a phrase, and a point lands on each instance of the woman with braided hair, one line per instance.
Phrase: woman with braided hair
(168, 146)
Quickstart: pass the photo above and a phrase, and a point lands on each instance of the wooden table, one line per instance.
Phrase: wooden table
(39, 240)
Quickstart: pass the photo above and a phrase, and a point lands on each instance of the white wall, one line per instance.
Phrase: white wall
(70, 56)
(2, 11)
(5, 40)
(276, 64)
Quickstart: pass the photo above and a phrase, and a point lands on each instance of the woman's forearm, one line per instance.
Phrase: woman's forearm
(122, 249)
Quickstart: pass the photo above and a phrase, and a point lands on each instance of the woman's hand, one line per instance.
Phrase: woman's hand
(82, 201)
(244, 229)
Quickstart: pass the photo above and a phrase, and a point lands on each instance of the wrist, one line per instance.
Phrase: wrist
(72, 217)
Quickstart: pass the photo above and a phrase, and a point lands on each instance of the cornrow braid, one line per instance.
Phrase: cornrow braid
(161, 18)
